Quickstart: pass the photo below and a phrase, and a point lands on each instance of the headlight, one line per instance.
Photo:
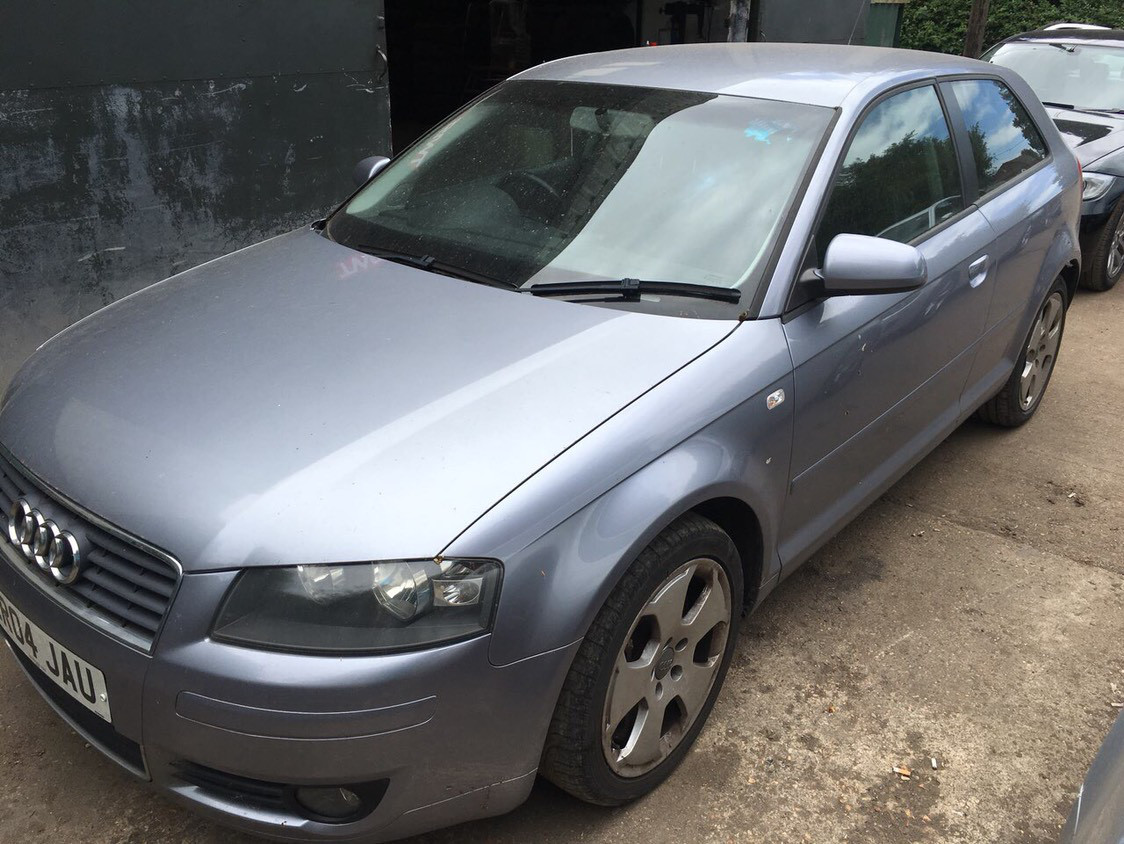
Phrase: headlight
(1096, 185)
(360, 607)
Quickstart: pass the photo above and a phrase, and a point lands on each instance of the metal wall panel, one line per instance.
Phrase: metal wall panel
(55, 43)
(188, 150)
(822, 21)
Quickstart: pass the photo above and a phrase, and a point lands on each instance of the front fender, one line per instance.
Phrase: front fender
(567, 535)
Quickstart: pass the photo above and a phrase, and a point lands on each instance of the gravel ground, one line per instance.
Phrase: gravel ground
(973, 615)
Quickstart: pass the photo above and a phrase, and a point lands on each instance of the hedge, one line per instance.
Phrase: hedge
(940, 24)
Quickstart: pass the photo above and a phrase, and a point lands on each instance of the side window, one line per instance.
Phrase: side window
(1005, 141)
(900, 176)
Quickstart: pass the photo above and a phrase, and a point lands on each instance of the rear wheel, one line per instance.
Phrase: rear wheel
(1106, 259)
(1016, 402)
(648, 673)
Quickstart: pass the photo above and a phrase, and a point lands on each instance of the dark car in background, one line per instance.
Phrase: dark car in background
(1078, 73)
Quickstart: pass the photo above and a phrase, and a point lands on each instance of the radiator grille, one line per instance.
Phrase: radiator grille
(122, 584)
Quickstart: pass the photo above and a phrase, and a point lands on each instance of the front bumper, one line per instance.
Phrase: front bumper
(1094, 212)
(452, 736)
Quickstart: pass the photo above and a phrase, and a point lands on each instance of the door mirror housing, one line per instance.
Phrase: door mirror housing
(366, 169)
(858, 264)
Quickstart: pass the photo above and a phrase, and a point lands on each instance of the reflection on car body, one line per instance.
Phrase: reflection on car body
(924, 220)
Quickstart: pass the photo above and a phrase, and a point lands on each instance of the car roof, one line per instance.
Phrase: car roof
(1074, 25)
(819, 74)
(1098, 37)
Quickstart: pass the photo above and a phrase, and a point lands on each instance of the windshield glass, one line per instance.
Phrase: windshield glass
(554, 181)
(1080, 75)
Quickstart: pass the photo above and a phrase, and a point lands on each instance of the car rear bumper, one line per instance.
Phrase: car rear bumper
(441, 735)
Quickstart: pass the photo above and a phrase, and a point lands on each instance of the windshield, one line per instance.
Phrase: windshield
(545, 182)
(1083, 76)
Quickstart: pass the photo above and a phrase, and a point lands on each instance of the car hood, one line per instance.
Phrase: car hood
(300, 402)
(1090, 135)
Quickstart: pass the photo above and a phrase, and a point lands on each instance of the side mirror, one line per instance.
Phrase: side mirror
(366, 169)
(857, 264)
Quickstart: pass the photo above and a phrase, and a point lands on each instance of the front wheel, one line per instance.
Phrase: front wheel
(1016, 402)
(646, 677)
(1105, 262)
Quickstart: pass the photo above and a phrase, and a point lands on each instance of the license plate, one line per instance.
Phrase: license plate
(69, 672)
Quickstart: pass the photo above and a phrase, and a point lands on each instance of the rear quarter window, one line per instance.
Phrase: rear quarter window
(1005, 141)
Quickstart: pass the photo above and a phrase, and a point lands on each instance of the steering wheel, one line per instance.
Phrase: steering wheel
(537, 180)
(535, 197)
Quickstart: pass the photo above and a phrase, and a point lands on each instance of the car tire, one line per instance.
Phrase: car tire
(679, 668)
(1105, 263)
(1022, 394)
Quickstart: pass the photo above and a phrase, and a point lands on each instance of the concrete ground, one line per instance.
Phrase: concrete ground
(974, 615)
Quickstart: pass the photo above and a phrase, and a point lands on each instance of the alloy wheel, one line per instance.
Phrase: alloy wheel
(1115, 260)
(1041, 351)
(666, 668)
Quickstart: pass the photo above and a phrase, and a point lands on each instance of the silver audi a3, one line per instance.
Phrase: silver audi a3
(354, 532)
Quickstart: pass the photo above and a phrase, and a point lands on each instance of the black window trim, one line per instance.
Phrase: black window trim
(770, 267)
(965, 161)
(969, 207)
(962, 143)
(982, 198)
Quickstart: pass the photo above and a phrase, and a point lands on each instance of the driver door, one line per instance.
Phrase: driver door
(878, 377)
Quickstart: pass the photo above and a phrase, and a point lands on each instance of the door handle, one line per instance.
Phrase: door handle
(977, 271)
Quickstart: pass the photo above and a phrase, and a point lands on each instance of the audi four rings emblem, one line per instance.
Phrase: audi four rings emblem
(42, 542)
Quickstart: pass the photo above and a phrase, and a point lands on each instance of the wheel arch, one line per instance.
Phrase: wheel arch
(556, 586)
(741, 523)
(1071, 275)
(567, 537)
(1062, 261)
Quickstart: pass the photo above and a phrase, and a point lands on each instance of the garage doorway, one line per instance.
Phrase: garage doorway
(443, 53)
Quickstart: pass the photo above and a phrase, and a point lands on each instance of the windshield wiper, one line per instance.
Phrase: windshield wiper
(1057, 105)
(428, 262)
(1105, 110)
(421, 261)
(632, 288)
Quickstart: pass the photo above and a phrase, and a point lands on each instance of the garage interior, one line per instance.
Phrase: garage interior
(443, 53)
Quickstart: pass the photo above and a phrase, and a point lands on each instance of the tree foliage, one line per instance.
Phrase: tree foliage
(940, 24)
